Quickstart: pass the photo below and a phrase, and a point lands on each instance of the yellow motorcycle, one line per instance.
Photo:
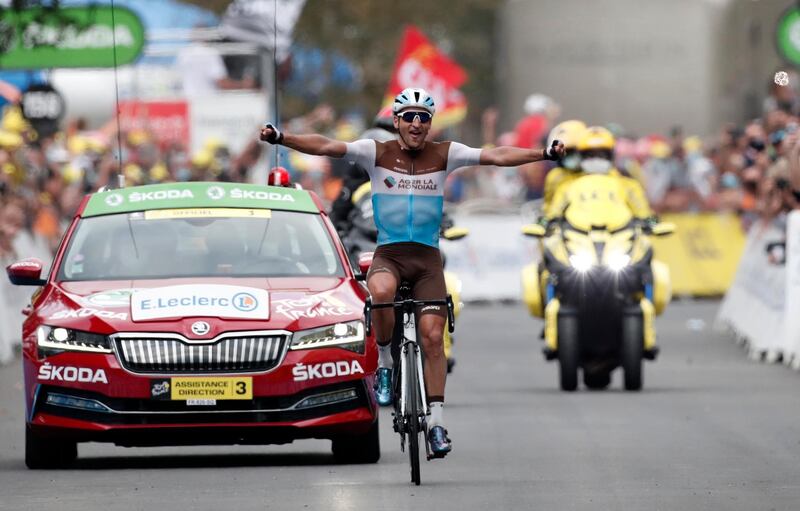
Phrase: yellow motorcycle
(597, 287)
(453, 284)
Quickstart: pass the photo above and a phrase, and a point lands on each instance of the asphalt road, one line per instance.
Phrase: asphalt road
(711, 430)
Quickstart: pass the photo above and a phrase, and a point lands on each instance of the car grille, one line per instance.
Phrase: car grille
(230, 354)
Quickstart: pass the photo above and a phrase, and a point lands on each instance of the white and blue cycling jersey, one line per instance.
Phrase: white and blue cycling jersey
(408, 186)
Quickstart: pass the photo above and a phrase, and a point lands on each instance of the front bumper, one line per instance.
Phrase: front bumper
(141, 422)
(122, 410)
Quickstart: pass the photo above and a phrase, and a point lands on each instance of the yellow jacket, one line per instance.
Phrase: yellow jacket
(555, 179)
(634, 193)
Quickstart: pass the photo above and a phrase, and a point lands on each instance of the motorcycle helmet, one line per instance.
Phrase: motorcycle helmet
(569, 133)
(596, 147)
(413, 97)
(384, 120)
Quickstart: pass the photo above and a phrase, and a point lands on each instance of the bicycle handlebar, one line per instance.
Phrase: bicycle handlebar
(409, 305)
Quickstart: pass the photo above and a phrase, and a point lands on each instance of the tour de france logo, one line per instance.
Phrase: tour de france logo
(114, 200)
(215, 192)
(245, 302)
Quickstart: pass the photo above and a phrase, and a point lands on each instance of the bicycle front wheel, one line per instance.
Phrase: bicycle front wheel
(412, 413)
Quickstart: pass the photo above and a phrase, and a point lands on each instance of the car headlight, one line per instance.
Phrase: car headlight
(348, 336)
(64, 339)
(581, 261)
(618, 262)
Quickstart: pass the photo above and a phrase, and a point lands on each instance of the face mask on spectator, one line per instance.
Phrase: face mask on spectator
(758, 145)
(596, 165)
(729, 180)
(183, 174)
(572, 161)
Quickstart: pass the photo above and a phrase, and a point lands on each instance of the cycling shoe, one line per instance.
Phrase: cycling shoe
(383, 386)
(440, 444)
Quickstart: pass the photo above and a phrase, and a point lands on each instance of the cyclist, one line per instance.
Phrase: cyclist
(407, 176)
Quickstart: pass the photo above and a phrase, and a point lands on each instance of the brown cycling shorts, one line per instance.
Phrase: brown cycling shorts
(420, 265)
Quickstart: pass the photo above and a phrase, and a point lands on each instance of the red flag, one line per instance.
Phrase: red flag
(421, 64)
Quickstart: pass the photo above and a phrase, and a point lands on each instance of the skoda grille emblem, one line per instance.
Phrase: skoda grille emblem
(200, 328)
(215, 192)
(114, 199)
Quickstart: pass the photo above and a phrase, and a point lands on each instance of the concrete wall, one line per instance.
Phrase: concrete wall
(646, 64)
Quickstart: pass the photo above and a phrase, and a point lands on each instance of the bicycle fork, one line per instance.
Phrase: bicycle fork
(410, 351)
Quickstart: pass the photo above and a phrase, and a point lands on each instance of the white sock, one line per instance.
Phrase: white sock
(385, 356)
(437, 414)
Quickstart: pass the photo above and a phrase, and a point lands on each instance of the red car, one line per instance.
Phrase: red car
(197, 313)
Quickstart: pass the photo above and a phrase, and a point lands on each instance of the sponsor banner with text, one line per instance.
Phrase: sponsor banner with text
(210, 300)
(703, 254)
(199, 195)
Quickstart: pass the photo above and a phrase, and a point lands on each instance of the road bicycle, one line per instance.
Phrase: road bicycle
(408, 379)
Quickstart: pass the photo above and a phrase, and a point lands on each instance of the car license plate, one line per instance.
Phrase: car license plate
(219, 388)
(201, 402)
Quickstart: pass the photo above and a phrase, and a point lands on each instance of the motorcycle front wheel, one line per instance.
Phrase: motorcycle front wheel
(569, 352)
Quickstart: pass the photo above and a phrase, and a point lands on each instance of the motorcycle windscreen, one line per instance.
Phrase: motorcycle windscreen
(597, 202)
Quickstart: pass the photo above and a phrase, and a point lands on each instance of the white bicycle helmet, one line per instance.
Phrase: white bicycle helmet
(413, 97)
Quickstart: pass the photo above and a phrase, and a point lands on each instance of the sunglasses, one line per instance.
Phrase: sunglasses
(424, 117)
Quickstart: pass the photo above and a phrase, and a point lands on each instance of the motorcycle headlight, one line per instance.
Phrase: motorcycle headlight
(582, 262)
(348, 336)
(64, 339)
(618, 262)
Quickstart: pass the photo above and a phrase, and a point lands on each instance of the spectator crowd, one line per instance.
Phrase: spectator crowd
(744, 169)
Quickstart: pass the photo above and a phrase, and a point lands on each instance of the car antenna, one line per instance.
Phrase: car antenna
(120, 175)
(275, 74)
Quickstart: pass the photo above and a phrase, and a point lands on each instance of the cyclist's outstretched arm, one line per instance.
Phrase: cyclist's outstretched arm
(508, 156)
(310, 144)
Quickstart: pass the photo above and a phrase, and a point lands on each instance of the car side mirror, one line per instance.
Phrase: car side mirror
(364, 262)
(27, 272)
(534, 230)
(455, 233)
(662, 229)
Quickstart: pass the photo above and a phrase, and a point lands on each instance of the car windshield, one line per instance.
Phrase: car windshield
(200, 243)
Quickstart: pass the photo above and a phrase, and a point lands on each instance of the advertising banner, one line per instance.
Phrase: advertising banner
(89, 36)
(703, 254)
(168, 121)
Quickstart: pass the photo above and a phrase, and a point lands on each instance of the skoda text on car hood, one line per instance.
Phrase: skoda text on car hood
(261, 351)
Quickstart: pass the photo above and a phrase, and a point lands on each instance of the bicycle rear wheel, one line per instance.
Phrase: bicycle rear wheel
(412, 413)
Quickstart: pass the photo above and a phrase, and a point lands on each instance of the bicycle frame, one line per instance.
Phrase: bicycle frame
(410, 345)
(412, 375)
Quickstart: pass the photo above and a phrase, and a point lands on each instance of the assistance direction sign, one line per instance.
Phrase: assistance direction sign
(89, 36)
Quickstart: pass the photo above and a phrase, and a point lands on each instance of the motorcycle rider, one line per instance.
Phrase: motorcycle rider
(569, 167)
(596, 150)
(407, 176)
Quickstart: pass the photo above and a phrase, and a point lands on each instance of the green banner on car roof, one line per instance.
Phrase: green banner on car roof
(199, 195)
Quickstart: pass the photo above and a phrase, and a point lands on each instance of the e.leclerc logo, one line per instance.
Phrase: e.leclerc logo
(210, 300)
(244, 302)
